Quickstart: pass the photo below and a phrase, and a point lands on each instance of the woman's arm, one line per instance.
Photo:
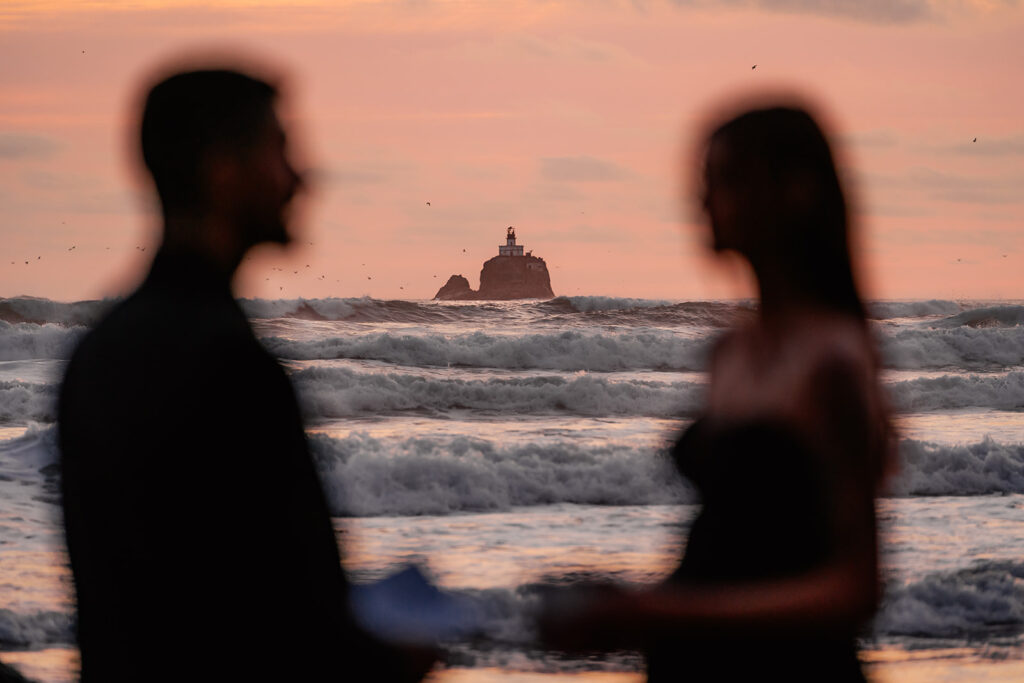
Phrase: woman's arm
(836, 595)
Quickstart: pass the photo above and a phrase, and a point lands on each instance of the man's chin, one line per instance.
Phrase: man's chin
(272, 234)
(283, 238)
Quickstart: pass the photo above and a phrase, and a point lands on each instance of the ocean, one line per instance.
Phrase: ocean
(504, 446)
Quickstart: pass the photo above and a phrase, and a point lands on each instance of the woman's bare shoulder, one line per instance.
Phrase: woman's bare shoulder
(835, 341)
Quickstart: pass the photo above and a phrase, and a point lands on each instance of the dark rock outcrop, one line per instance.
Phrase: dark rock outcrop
(503, 277)
(457, 288)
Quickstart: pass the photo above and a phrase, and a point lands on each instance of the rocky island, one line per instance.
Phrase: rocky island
(509, 275)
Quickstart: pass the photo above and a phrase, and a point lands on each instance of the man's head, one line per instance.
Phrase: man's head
(214, 146)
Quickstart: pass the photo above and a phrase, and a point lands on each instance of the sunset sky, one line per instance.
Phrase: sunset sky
(577, 121)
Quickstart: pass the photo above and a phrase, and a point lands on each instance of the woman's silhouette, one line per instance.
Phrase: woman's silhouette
(780, 569)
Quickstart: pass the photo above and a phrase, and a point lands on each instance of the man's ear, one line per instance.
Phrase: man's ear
(221, 174)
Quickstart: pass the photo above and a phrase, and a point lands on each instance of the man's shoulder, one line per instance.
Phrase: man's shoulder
(150, 332)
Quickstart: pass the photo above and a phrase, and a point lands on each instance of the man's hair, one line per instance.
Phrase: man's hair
(189, 115)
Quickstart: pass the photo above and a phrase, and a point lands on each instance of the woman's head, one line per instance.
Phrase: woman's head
(772, 194)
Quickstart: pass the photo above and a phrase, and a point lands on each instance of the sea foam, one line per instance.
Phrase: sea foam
(958, 347)
(1000, 392)
(35, 629)
(23, 402)
(884, 310)
(367, 476)
(27, 341)
(982, 600)
(988, 316)
(333, 392)
(35, 310)
(569, 350)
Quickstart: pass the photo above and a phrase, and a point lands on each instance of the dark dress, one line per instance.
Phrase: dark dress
(199, 537)
(764, 515)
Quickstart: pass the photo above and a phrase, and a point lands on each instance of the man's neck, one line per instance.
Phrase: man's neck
(206, 236)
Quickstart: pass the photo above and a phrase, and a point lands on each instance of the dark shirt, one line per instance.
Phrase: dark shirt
(764, 515)
(198, 534)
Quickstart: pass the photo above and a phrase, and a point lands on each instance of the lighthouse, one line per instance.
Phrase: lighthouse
(510, 248)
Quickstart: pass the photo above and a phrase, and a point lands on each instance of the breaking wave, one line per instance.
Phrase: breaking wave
(618, 349)
(930, 469)
(983, 600)
(885, 310)
(22, 402)
(367, 476)
(35, 629)
(432, 475)
(570, 350)
(366, 309)
(976, 602)
(1000, 392)
(35, 450)
(629, 349)
(960, 347)
(616, 311)
(611, 309)
(30, 309)
(340, 392)
(27, 341)
(989, 316)
(333, 392)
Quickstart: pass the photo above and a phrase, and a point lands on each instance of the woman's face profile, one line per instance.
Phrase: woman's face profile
(720, 200)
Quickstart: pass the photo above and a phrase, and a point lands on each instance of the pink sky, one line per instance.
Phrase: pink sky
(574, 121)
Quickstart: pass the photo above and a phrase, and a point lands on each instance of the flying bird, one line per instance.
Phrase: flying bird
(974, 140)
(753, 67)
(428, 203)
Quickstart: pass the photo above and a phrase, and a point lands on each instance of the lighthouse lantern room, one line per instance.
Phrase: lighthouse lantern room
(510, 248)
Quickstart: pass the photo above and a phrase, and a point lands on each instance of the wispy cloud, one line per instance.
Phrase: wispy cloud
(872, 11)
(26, 146)
(361, 173)
(949, 187)
(581, 169)
(870, 138)
(985, 147)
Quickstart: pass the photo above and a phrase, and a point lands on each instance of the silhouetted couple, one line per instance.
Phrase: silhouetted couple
(200, 542)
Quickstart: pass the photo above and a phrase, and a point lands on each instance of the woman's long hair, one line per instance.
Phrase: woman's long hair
(782, 167)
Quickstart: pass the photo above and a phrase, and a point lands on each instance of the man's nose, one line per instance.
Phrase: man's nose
(298, 180)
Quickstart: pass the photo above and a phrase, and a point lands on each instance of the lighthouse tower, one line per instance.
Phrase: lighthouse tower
(510, 248)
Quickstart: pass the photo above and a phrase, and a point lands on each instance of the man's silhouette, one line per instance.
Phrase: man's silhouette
(199, 537)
